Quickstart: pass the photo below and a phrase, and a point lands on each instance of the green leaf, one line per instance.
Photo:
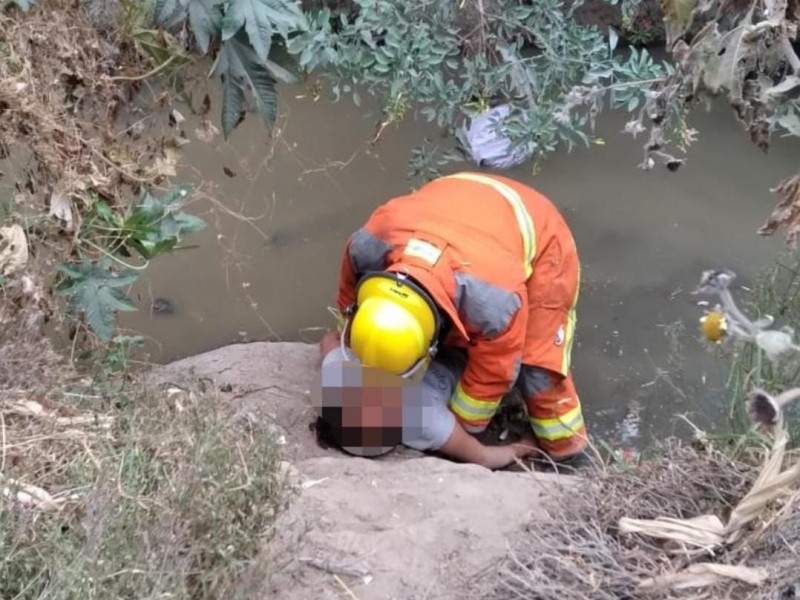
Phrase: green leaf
(282, 65)
(613, 39)
(205, 20)
(790, 122)
(169, 12)
(156, 224)
(232, 104)
(24, 5)
(260, 19)
(239, 67)
(94, 290)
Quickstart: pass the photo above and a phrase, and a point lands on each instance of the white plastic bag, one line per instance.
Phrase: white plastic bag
(486, 145)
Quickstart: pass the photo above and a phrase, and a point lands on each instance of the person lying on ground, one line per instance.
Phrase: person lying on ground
(369, 422)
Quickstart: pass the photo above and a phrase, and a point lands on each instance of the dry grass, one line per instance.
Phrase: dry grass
(63, 99)
(28, 363)
(70, 133)
(578, 551)
(162, 495)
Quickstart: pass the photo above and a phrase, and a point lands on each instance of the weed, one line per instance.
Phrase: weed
(775, 295)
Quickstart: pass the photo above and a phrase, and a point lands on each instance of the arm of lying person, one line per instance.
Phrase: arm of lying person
(429, 425)
(464, 447)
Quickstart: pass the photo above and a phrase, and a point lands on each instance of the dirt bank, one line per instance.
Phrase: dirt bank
(405, 526)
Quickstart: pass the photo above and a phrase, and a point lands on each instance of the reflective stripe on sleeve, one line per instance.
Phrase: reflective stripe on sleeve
(471, 409)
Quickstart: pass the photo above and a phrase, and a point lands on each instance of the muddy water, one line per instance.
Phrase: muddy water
(270, 272)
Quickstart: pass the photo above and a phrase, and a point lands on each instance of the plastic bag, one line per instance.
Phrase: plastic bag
(483, 141)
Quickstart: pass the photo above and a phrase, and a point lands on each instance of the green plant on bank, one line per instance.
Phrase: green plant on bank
(637, 33)
(138, 26)
(776, 293)
(165, 495)
(241, 34)
(421, 54)
(94, 285)
(753, 336)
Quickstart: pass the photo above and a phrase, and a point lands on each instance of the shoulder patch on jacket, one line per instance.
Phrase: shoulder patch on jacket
(367, 252)
(485, 306)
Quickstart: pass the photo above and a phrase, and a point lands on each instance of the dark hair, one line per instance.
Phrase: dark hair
(329, 433)
(326, 434)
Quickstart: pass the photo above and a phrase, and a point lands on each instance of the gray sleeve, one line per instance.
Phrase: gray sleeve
(427, 420)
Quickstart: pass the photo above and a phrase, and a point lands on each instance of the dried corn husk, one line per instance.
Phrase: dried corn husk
(772, 484)
(704, 574)
(709, 533)
(705, 531)
(31, 408)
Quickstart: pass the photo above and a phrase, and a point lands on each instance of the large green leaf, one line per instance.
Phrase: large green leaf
(206, 20)
(261, 20)
(94, 290)
(170, 12)
(283, 65)
(239, 68)
(232, 103)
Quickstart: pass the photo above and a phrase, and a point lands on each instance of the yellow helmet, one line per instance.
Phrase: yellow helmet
(395, 323)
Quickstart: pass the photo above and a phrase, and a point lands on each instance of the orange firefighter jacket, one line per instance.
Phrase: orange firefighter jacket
(473, 242)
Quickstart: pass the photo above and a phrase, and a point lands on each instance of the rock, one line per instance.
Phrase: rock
(418, 526)
(406, 525)
(267, 381)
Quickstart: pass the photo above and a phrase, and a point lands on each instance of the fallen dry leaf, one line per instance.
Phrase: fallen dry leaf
(787, 212)
(206, 132)
(61, 208)
(165, 165)
(13, 249)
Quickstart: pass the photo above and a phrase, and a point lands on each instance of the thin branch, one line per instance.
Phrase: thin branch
(791, 55)
(150, 73)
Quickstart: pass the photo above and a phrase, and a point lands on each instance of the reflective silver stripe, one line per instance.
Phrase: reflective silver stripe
(472, 409)
(556, 429)
(524, 221)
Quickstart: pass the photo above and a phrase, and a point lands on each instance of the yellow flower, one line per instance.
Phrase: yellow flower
(713, 326)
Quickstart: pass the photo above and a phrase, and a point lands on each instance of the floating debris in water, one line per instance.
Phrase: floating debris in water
(163, 306)
(627, 436)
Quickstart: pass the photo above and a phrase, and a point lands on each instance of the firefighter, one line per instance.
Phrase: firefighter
(479, 263)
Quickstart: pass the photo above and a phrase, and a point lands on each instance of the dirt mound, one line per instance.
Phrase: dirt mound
(404, 526)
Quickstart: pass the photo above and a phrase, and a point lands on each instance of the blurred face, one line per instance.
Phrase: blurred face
(372, 414)
(362, 407)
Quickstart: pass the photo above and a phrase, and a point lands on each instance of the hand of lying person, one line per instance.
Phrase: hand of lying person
(497, 457)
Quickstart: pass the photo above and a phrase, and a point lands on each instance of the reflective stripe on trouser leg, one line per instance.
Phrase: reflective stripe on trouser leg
(556, 418)
(473, 414)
